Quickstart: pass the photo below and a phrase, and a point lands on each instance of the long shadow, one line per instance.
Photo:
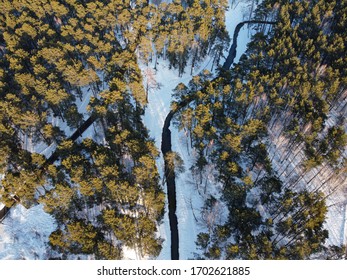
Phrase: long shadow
(165, 147)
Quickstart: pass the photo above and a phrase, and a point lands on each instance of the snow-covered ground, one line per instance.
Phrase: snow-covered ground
(334, 186)
(189, 201)
(239, 10)
(156, 112)
(47, 150)
(24, 233)
(34, 223)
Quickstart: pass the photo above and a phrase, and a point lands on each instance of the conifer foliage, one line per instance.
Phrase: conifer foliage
(59, 57)
(104, 192)
(290, 79)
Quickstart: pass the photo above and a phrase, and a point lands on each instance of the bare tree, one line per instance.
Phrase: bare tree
(150, 81)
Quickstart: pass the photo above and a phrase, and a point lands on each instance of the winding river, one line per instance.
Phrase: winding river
(166, 145)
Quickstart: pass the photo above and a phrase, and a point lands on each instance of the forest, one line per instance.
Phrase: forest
(73, 66)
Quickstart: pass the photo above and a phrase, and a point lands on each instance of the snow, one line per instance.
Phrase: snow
(157, 109)
(237, 13)
(24, 233)
(47, 150)
(189, 200)
(288, 167)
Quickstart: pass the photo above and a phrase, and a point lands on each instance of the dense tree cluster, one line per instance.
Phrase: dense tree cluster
(104, 192)
(291, 78)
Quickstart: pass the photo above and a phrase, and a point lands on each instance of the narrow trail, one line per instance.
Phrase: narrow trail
(166, 144)
(51, 159)
(78, 132)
